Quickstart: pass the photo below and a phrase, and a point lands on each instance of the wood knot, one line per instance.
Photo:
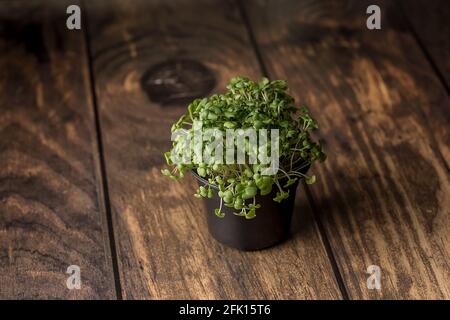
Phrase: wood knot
(178, 81)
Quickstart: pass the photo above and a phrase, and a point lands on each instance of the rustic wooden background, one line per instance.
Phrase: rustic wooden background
(85, 117)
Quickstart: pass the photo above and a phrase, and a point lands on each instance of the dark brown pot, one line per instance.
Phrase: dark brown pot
(271, 225)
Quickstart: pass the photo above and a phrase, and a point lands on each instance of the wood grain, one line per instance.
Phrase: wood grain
(429, 20)
(383, 194)
(50, 212)
(150, 58)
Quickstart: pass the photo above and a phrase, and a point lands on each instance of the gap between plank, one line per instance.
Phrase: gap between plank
(103, 175)
(323, 236)
(327, 245)
(252, 38)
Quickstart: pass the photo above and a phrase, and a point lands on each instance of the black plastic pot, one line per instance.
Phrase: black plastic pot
(271, 225)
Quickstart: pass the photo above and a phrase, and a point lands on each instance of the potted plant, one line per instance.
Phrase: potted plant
(247, 179)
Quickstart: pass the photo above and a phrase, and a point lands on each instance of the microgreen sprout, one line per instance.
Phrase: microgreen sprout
(247, 104)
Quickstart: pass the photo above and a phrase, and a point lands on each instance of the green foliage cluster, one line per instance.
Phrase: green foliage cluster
(248, 104)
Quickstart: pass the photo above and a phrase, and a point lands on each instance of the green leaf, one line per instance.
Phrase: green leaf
(248, 173)
(228, 199)
(264, 182)
(219, 213)
(281, 196)
(166, 172)
(201, 172)
(290, 182)
(167, 157)
(203, 192)
(229, 125)
(239, 188)
(249, 192)
(311, 179)
(266, 191)
(191, 109)
(250, 214)
(258, 124)
(238, 203)
(212, 116)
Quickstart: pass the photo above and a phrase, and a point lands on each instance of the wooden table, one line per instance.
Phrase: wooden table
(85, 116)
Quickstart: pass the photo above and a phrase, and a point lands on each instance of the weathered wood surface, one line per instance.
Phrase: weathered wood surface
(50, 214)
(150, 58)
(383, 194)
(429, 20)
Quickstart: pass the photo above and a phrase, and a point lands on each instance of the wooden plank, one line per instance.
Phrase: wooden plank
(150, 59)
(50, 209)
(383, 194)
(429, 20)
